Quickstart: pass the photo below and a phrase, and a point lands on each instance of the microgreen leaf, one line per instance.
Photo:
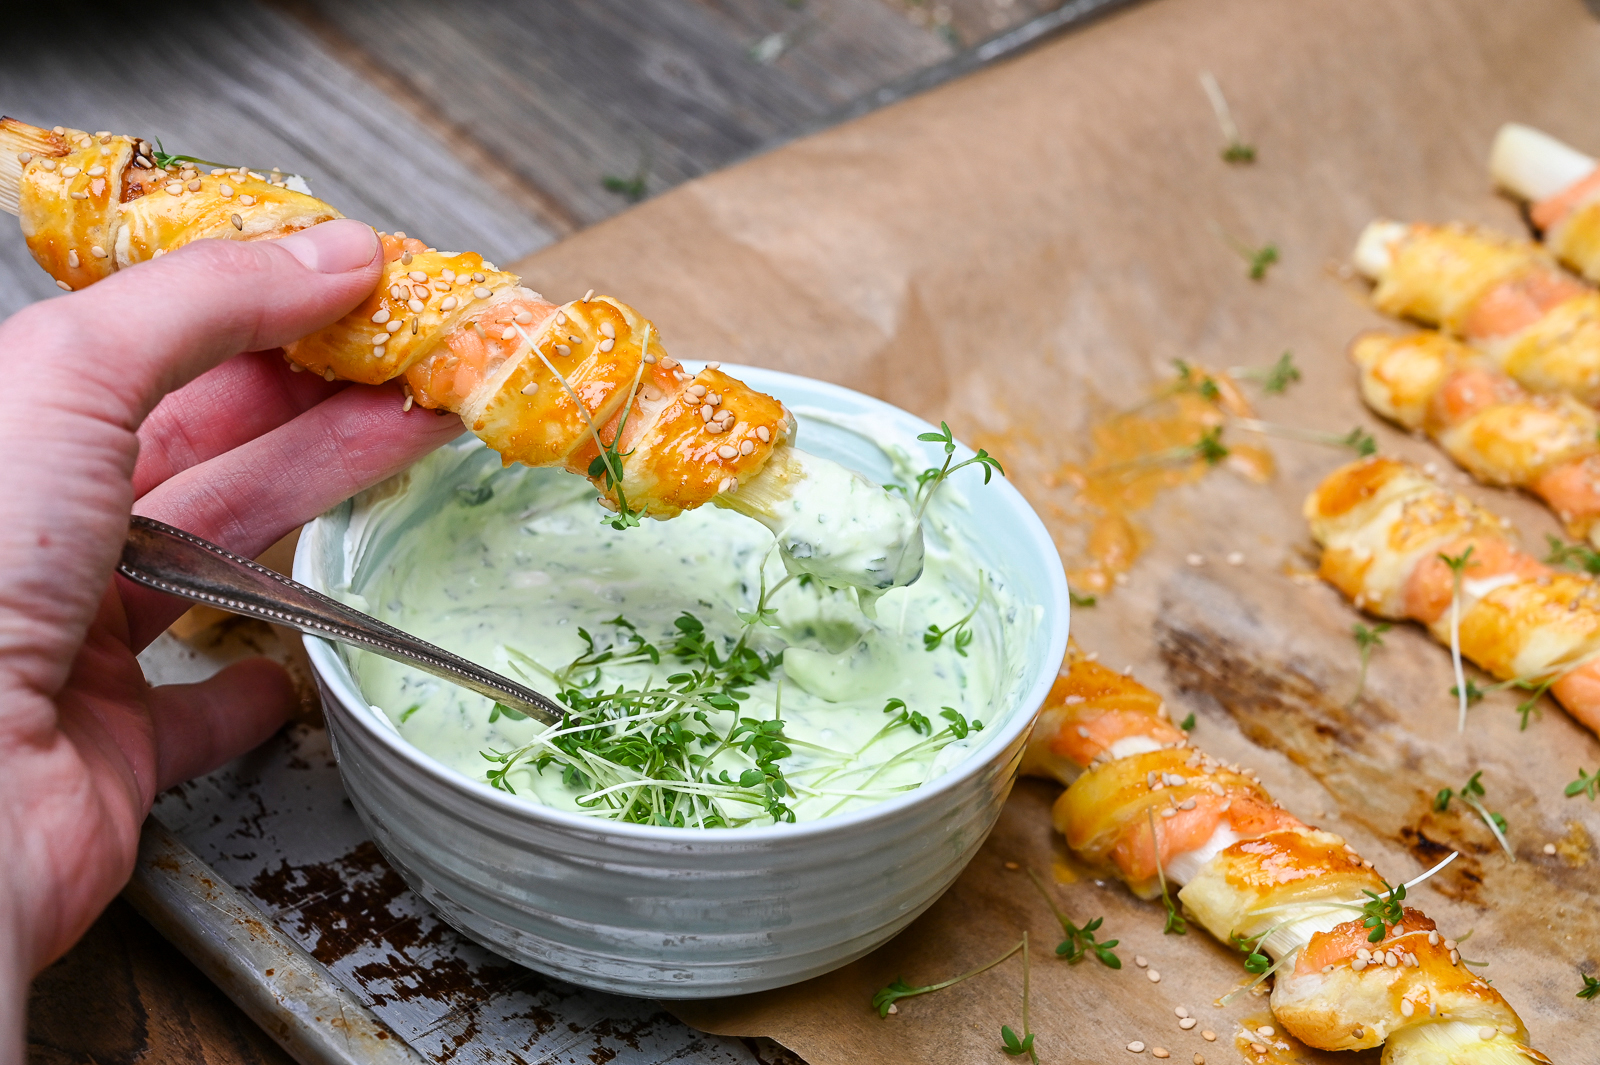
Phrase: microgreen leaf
(1586, 784)
(1367, 640)
(1283, 374)
(1175, 924)
(898, 990)
(1572, 556)
(1591, 987)
(1080, 942)
(1080, 600)
(1383, 910)
(929, 480)
(1187, 724)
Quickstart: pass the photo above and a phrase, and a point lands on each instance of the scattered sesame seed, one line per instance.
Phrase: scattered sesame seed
(1195, 559)
(378, 351)
(1187, 1023)
(1258, 1048)
(49, 164)
(415, 304)
(1487, 1032)
(562, 349)
(1136, 1047)
(608, 330)
(328, 375)
(1266, 1030)
(524, 317)
(530, 388)
(80, 195)
(97, 170)
(706, 412)
(393, 326)
(448, 304)
(141, 161)
(764, 433)
(380, 338)
(381, 317)
(1449, 944)
(1508, 1029)
(893, 1008)
(1013, 866)
(479, 278)
(1199, 1058)
(194, 186)
(24, 158)
(747, 447)
(418, 276)
(607, 344)
(649, 358)
(97, 251)
(238, 223)
(1182, 1011)
(448, 274)
(1406, 1007)
(728, 451)
(481, 292)
(1140, 960)
(72, 258)
(508, 333)
(226, 191)
(175, 188)
(1160, 1052)
(63, 286)
(71, 171)
(1549, 848)
(1455, 957)
(405, 258)
(1209, 1036)
(1155, 977)
(248, 201)
(588, 295)
(407, 404)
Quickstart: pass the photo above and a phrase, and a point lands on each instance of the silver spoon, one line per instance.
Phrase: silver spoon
(170, 560)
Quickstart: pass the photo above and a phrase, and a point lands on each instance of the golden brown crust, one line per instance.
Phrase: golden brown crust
(1438, 273)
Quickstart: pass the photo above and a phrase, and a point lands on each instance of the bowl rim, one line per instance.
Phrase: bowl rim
(339, 683)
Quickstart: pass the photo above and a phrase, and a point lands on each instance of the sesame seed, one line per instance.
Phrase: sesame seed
(893, 1008)
(508, 333)
(417, 275)
(722, 485)
(1449, 944)
(747, 447)
(1182, 1011)
(1155, 977)
(1455, 957)
(24, 158)
(393, 326)
(588, 295)
(238, 223)
(733, 484)
(63, 286)
(97, 170)
(141, 161)
(697, 391)
(705, 412)
(1406, 1007)
(561, 318)
(1013, 866)
(1169, 812)
(1194, 559)
(448, 303)
(608, 329)
(448, 274)
(727, 451)
(1487, 1032)
(562, 349)
(410, 399)
(1266, 1030)
(226, 191)
(1160, 1052)
(1136, 1047)
(71, 171)
(415, 304)
(1209, 1036)
(1433, 939)
(1357, 965)
(72, 258)
(381, 317)
(378, 349)
(380, 338)
(479, 278)
(1391, 959)
(764, 433)
(1187, 1023)
(405, 258)
(80, 195)
(1508, 1029)
(607, 344)
(194, 186)
(649, 358)
(328, 375)
(49, 164)
(175, 188)
(1549, 848)
(530, 388)
(1258, 1048)
(524, 317)
(481, 292)
(1140, 961)
(422, 292)
(248, 201)
(97, 251)
(1199, 1058)
(713, 365)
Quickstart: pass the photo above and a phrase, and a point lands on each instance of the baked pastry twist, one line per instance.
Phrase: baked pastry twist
(1562, 188)
(1384, 527)
(1251, 871)
(585, 385)
(1492, 427)
(1504, 296)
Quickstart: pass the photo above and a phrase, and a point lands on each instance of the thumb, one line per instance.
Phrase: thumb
(147, 330)
(201, 726)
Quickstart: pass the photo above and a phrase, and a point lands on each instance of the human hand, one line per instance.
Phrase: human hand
(128, 396)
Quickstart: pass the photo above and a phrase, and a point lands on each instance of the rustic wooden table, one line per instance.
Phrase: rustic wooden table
(497, 125)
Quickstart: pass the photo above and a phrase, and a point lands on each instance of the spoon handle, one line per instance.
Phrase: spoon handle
(170, 560)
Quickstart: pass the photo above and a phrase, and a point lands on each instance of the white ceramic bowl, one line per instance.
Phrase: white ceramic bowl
(685, 913)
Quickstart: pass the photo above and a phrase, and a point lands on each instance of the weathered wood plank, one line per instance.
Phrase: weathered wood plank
(238, 82)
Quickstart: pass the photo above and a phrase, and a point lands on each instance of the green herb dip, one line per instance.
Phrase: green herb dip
(506, 566)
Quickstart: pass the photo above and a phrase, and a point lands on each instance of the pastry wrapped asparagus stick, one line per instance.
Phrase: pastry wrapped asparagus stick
(1143, 802)
(1387, 533)
(1491, 426)
(586, 385)
(1506, 297)
(1562, 188)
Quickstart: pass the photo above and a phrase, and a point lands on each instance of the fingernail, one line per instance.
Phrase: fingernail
(333, 247)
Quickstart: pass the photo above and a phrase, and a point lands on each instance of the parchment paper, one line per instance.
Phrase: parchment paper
(1019, 253)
